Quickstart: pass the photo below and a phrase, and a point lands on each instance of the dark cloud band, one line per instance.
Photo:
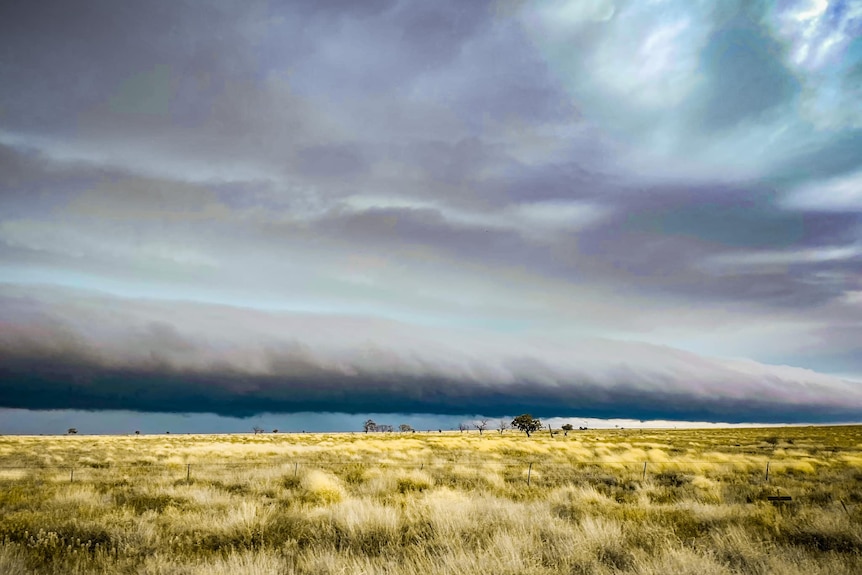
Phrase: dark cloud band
(66, 353)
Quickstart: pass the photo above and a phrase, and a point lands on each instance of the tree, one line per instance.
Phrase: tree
(462, 427)
(257, 429)
(481, 426)
(369, 425)
(275, 431)
(567, 428)
(503, 426)
(405, 428)
(72, 431)
(137, 432)
(527, 424)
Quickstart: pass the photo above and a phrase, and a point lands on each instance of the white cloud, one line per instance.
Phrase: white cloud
(141, 157)
(533, 219)
(841, 193)
(567, 13)
(819, 35)
(651, 65)
(596, 423)
(731, 261)
(113, 242)
(816, 38)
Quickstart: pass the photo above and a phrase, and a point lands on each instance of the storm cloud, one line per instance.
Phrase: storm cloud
(600, 208)
(99, 353)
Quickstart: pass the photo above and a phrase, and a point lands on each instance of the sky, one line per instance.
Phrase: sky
(214, 214)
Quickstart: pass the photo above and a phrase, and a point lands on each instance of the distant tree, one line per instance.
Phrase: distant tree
(72, 431)
(462, 427)
(369, 425)
(137, 432)
(503, 426)
(405, 428)
(527, 424)
(275, 431)
(257, 429)
(481, 426)
(385, 428)
(567, 427)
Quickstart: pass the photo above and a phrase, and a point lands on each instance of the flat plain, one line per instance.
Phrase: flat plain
(590, 501)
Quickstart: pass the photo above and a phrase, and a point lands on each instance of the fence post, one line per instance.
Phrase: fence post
(295, 465)
(188, 473)
(643, 476)
(767, 471)
(529, 473)
(72, 475)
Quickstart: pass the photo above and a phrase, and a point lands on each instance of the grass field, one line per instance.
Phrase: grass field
(453, 503)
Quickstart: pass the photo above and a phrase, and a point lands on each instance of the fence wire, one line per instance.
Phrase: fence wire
(531, 470)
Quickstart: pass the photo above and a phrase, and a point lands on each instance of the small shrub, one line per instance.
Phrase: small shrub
(354, 474)
(671, 479)
(238, 488)
(291, 481)
(321, 487)
(840, 542)
(416, 481)
(142, 502)
(819, 497)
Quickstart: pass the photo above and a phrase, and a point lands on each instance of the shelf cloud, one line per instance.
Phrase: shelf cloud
(204, 358)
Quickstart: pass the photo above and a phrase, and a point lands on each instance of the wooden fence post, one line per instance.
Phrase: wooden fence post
(767, 471)
(188, 473)
(643, 476)
(529, 473)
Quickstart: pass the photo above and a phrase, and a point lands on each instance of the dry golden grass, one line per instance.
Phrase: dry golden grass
(435, 503)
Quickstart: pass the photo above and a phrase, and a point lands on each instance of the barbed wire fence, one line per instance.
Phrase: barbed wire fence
(530, 471)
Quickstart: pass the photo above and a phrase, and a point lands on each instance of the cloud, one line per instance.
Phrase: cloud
(699, 88)
(342, 160)
(764, 259)
(746, 79)
(39, 237)
(838, 194)
(108, 354)
(676, 173)
(531, 220)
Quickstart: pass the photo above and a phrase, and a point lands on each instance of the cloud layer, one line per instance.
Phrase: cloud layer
(109, 354)
(433, 207)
